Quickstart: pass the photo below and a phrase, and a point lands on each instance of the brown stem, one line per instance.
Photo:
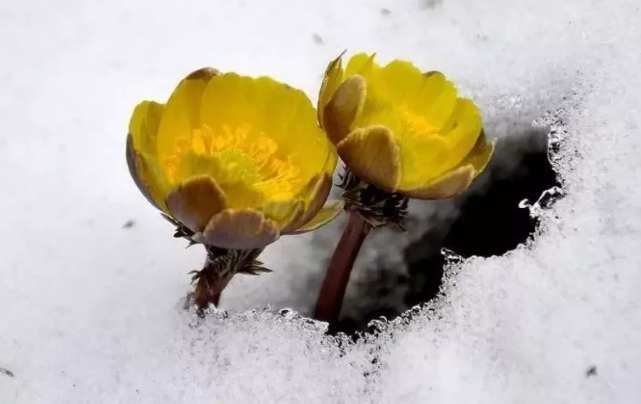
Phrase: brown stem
(206, 293)
(330, 299)
(208, 288)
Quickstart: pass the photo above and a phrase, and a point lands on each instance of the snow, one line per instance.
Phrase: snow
(91, 312)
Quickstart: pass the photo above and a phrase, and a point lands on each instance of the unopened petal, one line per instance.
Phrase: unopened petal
(373, 155)
(240, 229)
(194, 202)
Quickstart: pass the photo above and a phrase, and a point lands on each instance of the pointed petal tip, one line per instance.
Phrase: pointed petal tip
(332, 78)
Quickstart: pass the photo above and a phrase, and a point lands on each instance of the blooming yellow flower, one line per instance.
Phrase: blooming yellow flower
(402, 130)
(237, 160)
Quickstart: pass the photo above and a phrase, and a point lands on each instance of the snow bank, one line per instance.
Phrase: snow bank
(90, 312)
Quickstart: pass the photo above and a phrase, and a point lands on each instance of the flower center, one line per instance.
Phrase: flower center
(243, 156)
(418, 125)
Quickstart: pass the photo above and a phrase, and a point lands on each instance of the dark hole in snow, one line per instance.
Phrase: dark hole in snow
(490, 222)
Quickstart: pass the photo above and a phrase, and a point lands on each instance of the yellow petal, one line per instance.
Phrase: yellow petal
(362, 64)
(373, 155)
(143, 126)
(195, 201)
(241, 195)
(462, 131)
(133, 171)
(407, 101)
(428, 96)
(436, 99)
(478, 159)
(325, 215)
(313, 195)
(403, 85)
(423, 158)
(232, 100)
(398, 82)
(480, 155)
(283, 212)
(331, 80)
(271, 109)
(182, 112)
(330, 162)
(147, 175)
(451, 184)
(240, 229)
(343, 108)
(426, 157)
(295, 220)
(238, 194)
(193, 164)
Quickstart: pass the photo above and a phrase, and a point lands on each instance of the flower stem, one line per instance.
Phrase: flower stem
(205, 293)
(330, 299)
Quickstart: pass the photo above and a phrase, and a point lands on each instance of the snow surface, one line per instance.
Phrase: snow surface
(90, 312)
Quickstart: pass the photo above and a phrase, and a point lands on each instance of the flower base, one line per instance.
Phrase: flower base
(377, 207)
(220, 267)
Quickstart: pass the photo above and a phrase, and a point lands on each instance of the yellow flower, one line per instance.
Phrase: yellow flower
(237, 160)
(402, 130)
